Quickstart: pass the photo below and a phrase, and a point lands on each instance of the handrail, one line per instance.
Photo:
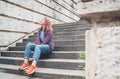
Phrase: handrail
(14, 31)
(19, 38)
(86, 0)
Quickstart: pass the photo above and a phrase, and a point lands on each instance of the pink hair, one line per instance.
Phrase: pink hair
(48, 24)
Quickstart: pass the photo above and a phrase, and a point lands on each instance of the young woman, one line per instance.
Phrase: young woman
(44, 44)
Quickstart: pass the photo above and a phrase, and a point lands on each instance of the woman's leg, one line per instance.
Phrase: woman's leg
(28, 49)
(39, 49)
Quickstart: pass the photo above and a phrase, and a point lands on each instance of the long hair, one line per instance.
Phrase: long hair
(48, 24)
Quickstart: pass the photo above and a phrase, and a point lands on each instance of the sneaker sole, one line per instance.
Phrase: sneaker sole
(32, 72)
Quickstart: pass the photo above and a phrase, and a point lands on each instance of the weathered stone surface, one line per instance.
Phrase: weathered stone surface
(102, 57)
(16, 25)
(13, 76)
(102, 52)
(100, 10)
(7, 38)
(90, 65)
(96, 6)
(108, 56)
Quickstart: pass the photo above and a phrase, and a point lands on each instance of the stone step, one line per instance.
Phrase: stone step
(70, 33)
(72, 26)
(70, 37)
(5, 75)
(73, 64)
(63, 35)
(57, 42)
(57, 48)
(69, 30)
(70, 48)
(81, 22)
(67, 33)
(46, 73)
(53, 55)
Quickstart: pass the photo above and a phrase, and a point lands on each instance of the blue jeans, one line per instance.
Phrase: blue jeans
(38, 50)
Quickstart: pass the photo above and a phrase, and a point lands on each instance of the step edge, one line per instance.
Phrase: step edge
(81, 73)
(49, 60)
(58, 46)
(52, 52)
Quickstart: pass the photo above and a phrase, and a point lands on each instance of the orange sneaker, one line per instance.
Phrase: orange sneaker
(31, 70)
(24, 66)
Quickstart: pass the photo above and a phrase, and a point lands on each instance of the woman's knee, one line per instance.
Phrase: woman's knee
(29, 44)
(38, 46)
(41, 47)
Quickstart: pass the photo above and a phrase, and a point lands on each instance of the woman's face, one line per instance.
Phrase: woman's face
(43, 23)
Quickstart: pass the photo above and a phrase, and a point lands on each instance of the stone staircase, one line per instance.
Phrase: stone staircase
(64, 63)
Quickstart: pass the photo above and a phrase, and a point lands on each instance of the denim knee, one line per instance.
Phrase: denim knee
(28, 45)
(39, 47)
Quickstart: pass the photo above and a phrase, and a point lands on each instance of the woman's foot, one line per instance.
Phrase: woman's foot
(24, 66)
(31, 70)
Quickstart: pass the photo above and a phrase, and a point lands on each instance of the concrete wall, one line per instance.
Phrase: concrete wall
(20, 17)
